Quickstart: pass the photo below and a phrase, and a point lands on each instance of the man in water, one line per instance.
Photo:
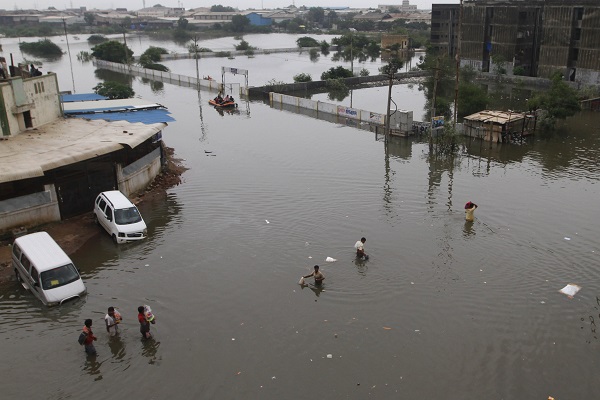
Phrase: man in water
(89, 338)
(319, 277)
(112, 322)
(470, 210)
(360, 248)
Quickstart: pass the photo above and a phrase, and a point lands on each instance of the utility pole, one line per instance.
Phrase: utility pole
(460, 17)
(69, 50)
(435, 81)
(389, 102)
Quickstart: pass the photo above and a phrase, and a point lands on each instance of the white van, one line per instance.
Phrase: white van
(44, 268)
(119, 216)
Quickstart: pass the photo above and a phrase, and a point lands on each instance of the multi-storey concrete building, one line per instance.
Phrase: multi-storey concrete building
(537, 36)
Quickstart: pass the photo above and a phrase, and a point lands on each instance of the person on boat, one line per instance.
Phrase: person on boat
(470, 210)
(360, 248)
(318, 275)
(231, 99)
(227, 99)
(218, 99)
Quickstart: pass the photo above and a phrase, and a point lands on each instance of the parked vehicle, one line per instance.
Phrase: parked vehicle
(119, 217)
(45, 270)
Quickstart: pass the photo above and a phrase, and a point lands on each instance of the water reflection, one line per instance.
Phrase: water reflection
(468, 230)
(108, 75)
(92, 366)
(316, 289)
(157, 87)
(117, 347)
(150, 349)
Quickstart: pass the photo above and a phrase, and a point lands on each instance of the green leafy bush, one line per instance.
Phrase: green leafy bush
(302, 78)
(41, 48)
(114, 90)
(307, 41)
(112, 51)
(335, 73)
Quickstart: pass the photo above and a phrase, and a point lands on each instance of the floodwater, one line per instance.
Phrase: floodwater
(443, 309)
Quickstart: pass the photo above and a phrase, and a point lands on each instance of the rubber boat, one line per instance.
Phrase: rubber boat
(225, 104)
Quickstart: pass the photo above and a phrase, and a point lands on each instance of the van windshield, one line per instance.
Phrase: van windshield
(126, 216)
(58, 277)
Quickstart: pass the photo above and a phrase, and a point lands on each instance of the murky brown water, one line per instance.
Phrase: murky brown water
(443, 308)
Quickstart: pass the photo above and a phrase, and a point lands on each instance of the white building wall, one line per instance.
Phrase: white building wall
(42, 93)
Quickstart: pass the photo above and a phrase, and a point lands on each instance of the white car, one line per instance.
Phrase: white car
(119, 216)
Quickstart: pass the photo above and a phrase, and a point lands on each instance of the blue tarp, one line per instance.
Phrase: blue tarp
(69, 98)
(143, 116)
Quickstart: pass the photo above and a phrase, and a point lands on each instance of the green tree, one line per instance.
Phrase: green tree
(182, 23)
(243, 46)
(559, 102)
(96, 39)
(472, 98)
(89, 18)
(112, 51)
(151, 56)
(498, 60)
(307, 41)
(302, 78)
(316, 15)
(239, 23)
(391, 67)
(114, 90)
(41, 48)
(220, 8)
(336, 73)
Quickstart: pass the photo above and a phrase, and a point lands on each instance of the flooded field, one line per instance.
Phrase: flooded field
(443, 309)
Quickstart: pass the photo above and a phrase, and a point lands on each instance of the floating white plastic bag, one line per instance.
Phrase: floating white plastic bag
(329, 259)
(570, 290)
(301, 281)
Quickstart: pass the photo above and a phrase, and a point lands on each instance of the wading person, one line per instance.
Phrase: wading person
(88, 343)
(112, 322)
(318, 275)
(360, 249)
(470, 210)
(144, 323)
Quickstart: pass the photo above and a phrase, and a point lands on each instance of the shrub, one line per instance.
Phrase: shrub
(96, 39)
(41, 48)
(306, 41)
(335, 73)
(223, 54)
(302, 78)
(364, 72)
(114, 90)
(519, 71)
(112, 51)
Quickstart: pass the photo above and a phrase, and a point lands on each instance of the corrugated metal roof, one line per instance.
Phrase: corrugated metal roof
(69, 98)
(497, 117)
(133, 116)
(131, 110)
(64, 142)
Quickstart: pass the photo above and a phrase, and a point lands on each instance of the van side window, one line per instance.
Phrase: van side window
(17, 251)
(25, 262)
(34, 275)
(102, 204)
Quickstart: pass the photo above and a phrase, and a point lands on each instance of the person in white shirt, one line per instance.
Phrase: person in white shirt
(360, 248)
(112, 322)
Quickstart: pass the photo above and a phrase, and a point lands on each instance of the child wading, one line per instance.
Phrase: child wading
(470, 210)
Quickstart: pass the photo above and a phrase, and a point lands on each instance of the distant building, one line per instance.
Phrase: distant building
(390, 40)
(405, 7)
(258, 19)
(537, 37)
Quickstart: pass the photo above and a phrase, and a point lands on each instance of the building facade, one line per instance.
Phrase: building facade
(531, 38)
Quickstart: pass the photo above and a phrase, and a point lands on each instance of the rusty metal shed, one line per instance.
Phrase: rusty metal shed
(498, 126)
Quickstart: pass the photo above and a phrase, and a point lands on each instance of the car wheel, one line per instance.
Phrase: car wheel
(114, 238)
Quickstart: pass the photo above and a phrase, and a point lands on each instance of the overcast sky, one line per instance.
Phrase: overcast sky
(241, 4)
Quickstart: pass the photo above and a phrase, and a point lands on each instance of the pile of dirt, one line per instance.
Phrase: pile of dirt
(72, 233)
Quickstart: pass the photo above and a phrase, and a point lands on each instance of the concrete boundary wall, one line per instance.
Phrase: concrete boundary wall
(233, 89)
(29, 210)
(235, 53)
(327, 108)
(138, 175)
